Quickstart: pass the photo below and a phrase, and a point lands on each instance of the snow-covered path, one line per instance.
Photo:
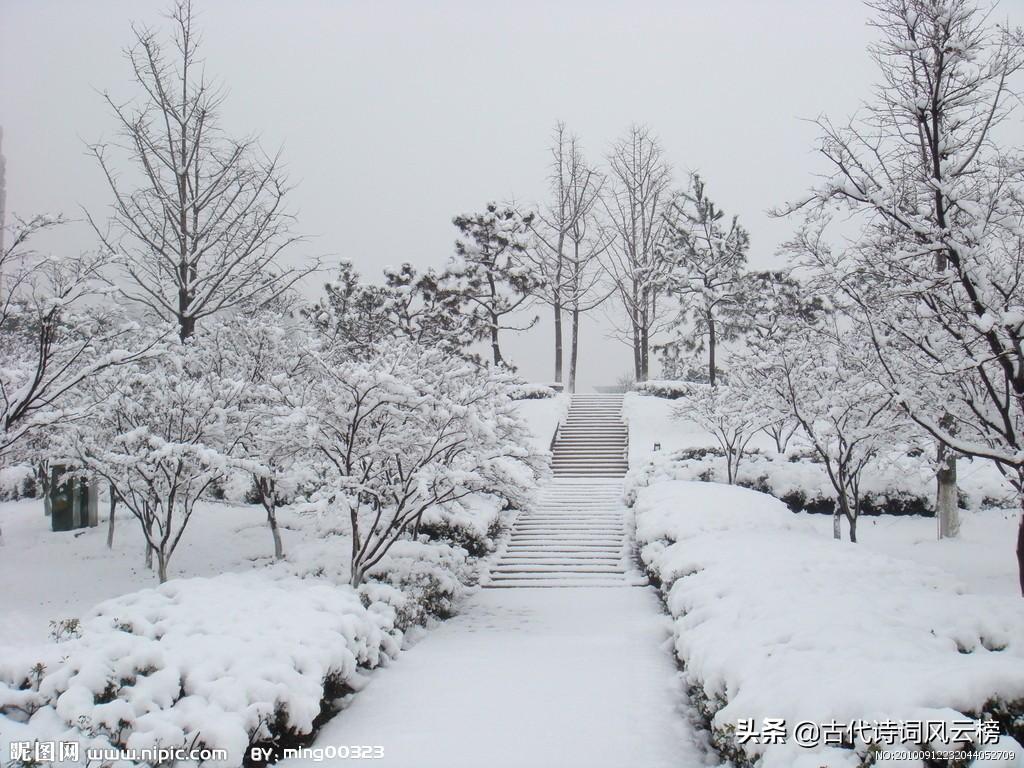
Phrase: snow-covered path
(529, 677)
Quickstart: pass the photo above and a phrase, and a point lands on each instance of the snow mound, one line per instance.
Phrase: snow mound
(211, 661)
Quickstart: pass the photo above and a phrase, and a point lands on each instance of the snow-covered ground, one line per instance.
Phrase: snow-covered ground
(775, 619)
(529, 677)
(60, 575)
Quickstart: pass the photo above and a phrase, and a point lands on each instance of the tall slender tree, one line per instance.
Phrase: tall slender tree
(568, 240)
(708, 257)
(205, 226)
(636, 199)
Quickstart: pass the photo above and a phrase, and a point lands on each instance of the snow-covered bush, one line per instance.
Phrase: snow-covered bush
(472, 523)
(223, 662)
(669, 389)
(429, 576)
(17, 481)
(774, 619)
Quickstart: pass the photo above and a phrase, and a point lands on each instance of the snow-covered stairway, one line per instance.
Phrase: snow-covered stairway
(576, 534)
(592, 441)
(574, 537)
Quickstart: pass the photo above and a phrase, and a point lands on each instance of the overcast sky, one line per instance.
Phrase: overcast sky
(395, 116)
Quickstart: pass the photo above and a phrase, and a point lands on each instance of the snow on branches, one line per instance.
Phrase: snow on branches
(409, 429)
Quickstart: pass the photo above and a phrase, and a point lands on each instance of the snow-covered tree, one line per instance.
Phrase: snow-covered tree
(845, 413)
(203, 229)
(357, 316)
(769, 306)
(160, 432)
(490, 274)
(407, 429)
(636, 199)
(938, 193)
(708, 255)
(729, 412)
(55, 332)
(271, 356)
(568, 241)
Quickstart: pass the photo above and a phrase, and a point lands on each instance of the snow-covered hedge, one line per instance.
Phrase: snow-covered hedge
(532, 392)
(774, 619)
(669, 389)
(220, 662)
(895, 483)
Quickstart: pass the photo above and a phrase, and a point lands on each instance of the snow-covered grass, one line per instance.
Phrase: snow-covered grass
(216, 655)
(775, 619)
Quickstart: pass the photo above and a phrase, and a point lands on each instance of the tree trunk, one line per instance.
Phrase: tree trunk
(274, 530)
(495, 349)
(947, 503)
(110, 521)
(1020, 552)
(637, 369)
(558, 342)
(837, 524)
(712, 340)
(645, 353)
(575, 348)
(161, 558)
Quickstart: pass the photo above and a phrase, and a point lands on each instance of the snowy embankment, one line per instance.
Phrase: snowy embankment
(775, 619)
(543, 416)
(239, 650)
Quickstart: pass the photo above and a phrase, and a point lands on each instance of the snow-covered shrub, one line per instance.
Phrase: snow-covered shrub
(17, 481)
(407, 430)
(473, 524)
(228, 661)
(875, 638)
(532, 392)
(429, 576)
(669, 389)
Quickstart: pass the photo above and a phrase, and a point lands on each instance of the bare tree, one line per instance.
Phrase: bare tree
(923, 170)
(204, 229)
(568, 243)
(635, 201)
